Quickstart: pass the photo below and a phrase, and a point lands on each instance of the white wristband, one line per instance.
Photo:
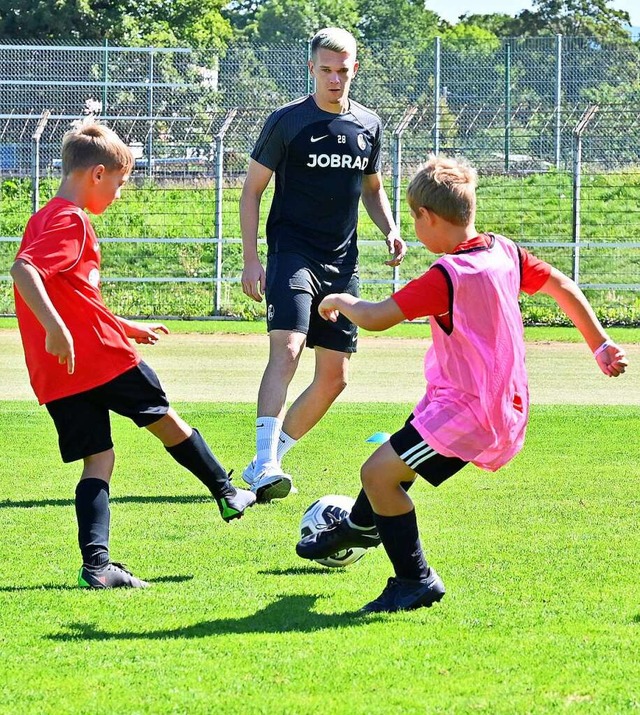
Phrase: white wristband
(602, 348)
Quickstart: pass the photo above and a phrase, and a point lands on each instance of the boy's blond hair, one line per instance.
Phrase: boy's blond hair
(335, 39)
(447, 187)
(90, 143)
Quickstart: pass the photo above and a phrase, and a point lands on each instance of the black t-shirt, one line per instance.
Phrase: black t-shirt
(319, 159)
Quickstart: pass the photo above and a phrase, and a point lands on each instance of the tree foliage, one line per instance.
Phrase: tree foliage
(580, 18)
(213, 23)
(285, 20)
(197, 23)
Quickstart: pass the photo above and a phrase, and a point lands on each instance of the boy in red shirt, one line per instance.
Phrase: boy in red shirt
(80, 361)
(476, 404)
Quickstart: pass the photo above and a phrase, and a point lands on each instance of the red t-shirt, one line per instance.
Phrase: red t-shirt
(60, 243)
(430, 294)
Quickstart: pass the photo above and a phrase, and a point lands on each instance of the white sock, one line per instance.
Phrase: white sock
(267, 433)
(285, 443)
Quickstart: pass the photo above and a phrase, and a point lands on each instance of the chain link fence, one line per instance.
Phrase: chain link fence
(551, 124)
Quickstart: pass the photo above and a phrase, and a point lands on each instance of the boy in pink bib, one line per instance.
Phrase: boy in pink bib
(476, 404)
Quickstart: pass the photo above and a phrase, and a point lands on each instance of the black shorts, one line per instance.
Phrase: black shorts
(83, 422)
(423, 459)
(295, 287)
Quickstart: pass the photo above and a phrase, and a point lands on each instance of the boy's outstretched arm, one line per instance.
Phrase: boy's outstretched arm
(143, 333)
(610, 358)
(59, 341)
(370, 316)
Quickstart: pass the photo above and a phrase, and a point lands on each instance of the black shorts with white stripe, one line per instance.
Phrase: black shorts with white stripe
(423, 459)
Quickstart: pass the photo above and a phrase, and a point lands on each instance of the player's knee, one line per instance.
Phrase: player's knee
(100, 465)
(368, 477)
(284, 360)
(335, 384)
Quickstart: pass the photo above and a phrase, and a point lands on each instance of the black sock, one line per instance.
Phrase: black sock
(194, 454)
(93, 516)
(401, 541)
(362, 513)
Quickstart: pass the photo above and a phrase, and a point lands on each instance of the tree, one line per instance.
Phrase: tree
(402, 22)
(499, 24)
(286, 20)
(465, 39)
(585, 18)
(197, 23)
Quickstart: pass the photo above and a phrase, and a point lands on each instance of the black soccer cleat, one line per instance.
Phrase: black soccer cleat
(402, 594)
(334, 538)
(234, 503)
(110, 575)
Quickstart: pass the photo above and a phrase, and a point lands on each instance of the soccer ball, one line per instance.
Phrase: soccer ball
(321, 514)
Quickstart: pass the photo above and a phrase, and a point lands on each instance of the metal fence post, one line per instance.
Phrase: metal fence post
(35, 159)
(587, 116)
(310, 82)
(105, 77)
(397, 174)
(558, 102)
(436, 96)
(507, 104)
(219, 173)
(151, 122)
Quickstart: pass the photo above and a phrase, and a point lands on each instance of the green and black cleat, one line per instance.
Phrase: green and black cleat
(233, 504)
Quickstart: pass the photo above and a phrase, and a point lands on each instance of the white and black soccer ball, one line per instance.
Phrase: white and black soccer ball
(321, 514)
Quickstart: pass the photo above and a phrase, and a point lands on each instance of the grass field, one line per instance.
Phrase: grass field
(540, 559)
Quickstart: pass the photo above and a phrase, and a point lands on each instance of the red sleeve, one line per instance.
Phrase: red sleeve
(57, 246)
(427, 295)
(534, 272)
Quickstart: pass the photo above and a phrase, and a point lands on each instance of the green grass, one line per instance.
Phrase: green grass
(624, 335)
(540, 562)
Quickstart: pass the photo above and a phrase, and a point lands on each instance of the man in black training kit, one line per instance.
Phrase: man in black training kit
(325, 152)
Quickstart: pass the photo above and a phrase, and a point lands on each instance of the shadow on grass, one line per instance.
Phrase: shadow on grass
(309, 570)
(31, 503)
(73, 587)
(41, 587)
(287, 615)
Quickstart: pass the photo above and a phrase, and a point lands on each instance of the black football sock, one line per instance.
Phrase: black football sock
(93, 516)
(362, 513)
(399, 535)
(194, 454)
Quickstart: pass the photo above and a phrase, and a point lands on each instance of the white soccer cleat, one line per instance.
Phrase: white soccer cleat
(271, 485)
(249, 476)
(249, 473)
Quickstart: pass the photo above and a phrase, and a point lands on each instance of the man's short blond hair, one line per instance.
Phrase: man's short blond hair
(447, 187)
(335, 39)
(90, 143)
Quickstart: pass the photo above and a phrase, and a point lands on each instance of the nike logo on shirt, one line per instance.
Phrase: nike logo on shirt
(317, 139)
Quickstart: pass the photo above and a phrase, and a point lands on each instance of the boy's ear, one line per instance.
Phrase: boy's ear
(97, 172)
(425, 213)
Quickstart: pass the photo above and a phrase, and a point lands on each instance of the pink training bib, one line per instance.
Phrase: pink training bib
(477, 401)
